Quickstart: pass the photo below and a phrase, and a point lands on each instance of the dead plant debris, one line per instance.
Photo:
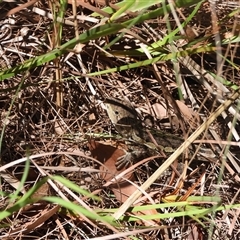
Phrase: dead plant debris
(52, 114)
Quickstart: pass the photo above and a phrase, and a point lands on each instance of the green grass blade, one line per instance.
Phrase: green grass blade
(91, 34)
(137, 6)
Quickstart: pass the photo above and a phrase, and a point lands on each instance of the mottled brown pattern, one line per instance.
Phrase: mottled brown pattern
(140, 141)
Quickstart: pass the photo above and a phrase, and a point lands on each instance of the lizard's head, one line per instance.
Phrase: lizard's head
(124, 117)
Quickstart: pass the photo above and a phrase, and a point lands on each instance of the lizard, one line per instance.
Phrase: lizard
(139, 139)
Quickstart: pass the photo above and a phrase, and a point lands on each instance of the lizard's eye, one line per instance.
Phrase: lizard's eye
(116, 112)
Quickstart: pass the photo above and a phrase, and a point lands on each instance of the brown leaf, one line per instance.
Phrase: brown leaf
(188, 113)
(124, 188)
(159, 111)
(108, 155)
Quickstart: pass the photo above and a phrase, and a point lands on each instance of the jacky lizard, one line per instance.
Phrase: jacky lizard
(138, 138)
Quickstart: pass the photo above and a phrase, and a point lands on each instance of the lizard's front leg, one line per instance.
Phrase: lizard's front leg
(131, 157)
(136, 153)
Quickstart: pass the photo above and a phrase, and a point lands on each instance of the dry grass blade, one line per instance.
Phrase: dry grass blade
(170, 65)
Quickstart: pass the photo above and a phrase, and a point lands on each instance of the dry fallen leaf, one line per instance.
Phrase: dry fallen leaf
(188, 113)
(159, 111)
(108, 155)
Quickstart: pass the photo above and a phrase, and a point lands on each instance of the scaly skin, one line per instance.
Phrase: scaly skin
(127, 122)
